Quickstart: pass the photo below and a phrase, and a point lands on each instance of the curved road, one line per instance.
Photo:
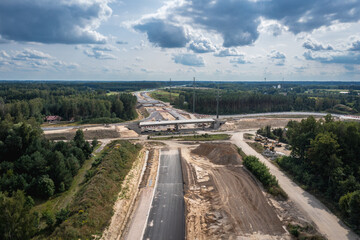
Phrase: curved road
(327, 223)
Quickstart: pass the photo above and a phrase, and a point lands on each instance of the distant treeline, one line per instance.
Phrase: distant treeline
(238, 102)
(21, 101)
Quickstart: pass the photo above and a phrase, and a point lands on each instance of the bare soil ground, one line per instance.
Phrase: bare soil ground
(99, 132)
(223, 201)
(136, 222)
(251, 123)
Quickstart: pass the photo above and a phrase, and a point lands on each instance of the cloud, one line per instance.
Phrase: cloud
(33, 60)
(316, 46)
(28, 54)
(240, 60)
(163, 34)
(355, 46)
(228, 52)
(278, 58)
(338, 58)
(189, 60)
(48, 21)
(98, 54)
(202, 46)
(121, 42)
(237, 22)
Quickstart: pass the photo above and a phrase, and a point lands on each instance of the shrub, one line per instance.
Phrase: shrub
(262, 173)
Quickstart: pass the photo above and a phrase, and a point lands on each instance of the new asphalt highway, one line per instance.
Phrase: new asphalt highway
(166, 219)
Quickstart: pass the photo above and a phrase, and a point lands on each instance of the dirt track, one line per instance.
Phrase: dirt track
(224, 201)
(327, 223)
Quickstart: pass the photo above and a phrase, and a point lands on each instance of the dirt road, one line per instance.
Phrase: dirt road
(327, 223)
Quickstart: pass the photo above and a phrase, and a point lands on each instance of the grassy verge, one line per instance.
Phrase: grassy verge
(203, 137)
(248, 136)
(91, 208)
(262, 173)
(241, 152)
(258, 147)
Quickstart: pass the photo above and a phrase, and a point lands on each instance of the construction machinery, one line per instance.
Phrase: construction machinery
(258, 138)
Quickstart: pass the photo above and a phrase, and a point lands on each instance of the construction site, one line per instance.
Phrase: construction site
(201, 190)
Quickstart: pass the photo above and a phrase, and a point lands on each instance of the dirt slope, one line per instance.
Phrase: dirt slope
(222, 154)
(223, 201)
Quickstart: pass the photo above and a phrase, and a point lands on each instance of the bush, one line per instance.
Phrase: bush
(61, 215)
(262, 173)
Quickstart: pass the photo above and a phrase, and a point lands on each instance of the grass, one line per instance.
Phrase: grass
(258, 147)
(92, 207)
(248, 136)
(203, 137)
(163, 95)
(90, 199)
(241, 152)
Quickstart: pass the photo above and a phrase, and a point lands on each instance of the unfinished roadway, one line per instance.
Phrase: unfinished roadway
(166, 219)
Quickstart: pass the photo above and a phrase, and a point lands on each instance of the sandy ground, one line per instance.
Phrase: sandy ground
(98, 132)
(215, 212)
(136, 223)
(126, 199)
(310, 207)
(256, 123)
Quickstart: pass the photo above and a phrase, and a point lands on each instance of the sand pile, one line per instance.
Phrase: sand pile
(221, 154)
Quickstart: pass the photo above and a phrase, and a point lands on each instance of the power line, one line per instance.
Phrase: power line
(194, 96)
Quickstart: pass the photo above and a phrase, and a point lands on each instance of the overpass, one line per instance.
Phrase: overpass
(176, 123)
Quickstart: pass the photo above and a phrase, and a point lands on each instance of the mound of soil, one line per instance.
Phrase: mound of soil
(221, 154)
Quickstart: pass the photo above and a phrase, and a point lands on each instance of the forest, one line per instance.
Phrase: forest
(22, 101)
(240, 102)
(325, 159)
(39, 167)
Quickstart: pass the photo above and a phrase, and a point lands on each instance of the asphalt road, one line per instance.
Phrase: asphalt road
(167, 217)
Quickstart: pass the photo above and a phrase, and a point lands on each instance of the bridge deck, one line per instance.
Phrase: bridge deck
(174, 122)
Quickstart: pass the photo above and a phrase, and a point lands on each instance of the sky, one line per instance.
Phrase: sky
(216, 40)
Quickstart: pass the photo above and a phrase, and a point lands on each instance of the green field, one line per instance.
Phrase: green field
(164, 95)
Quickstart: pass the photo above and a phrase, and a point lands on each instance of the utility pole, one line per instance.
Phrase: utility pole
(170, 92)
(217, 102)
(194, 96)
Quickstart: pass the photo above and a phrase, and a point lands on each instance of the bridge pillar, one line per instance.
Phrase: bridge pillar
(177, 127)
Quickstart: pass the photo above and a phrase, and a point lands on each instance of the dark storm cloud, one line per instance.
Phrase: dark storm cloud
(48, 21)
(163, 34)
(314, 46)
(238, 21)
(189, 60)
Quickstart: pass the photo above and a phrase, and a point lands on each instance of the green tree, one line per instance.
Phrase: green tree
(16, 220)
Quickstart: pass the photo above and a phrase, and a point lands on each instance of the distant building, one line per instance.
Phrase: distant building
(51, 119)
